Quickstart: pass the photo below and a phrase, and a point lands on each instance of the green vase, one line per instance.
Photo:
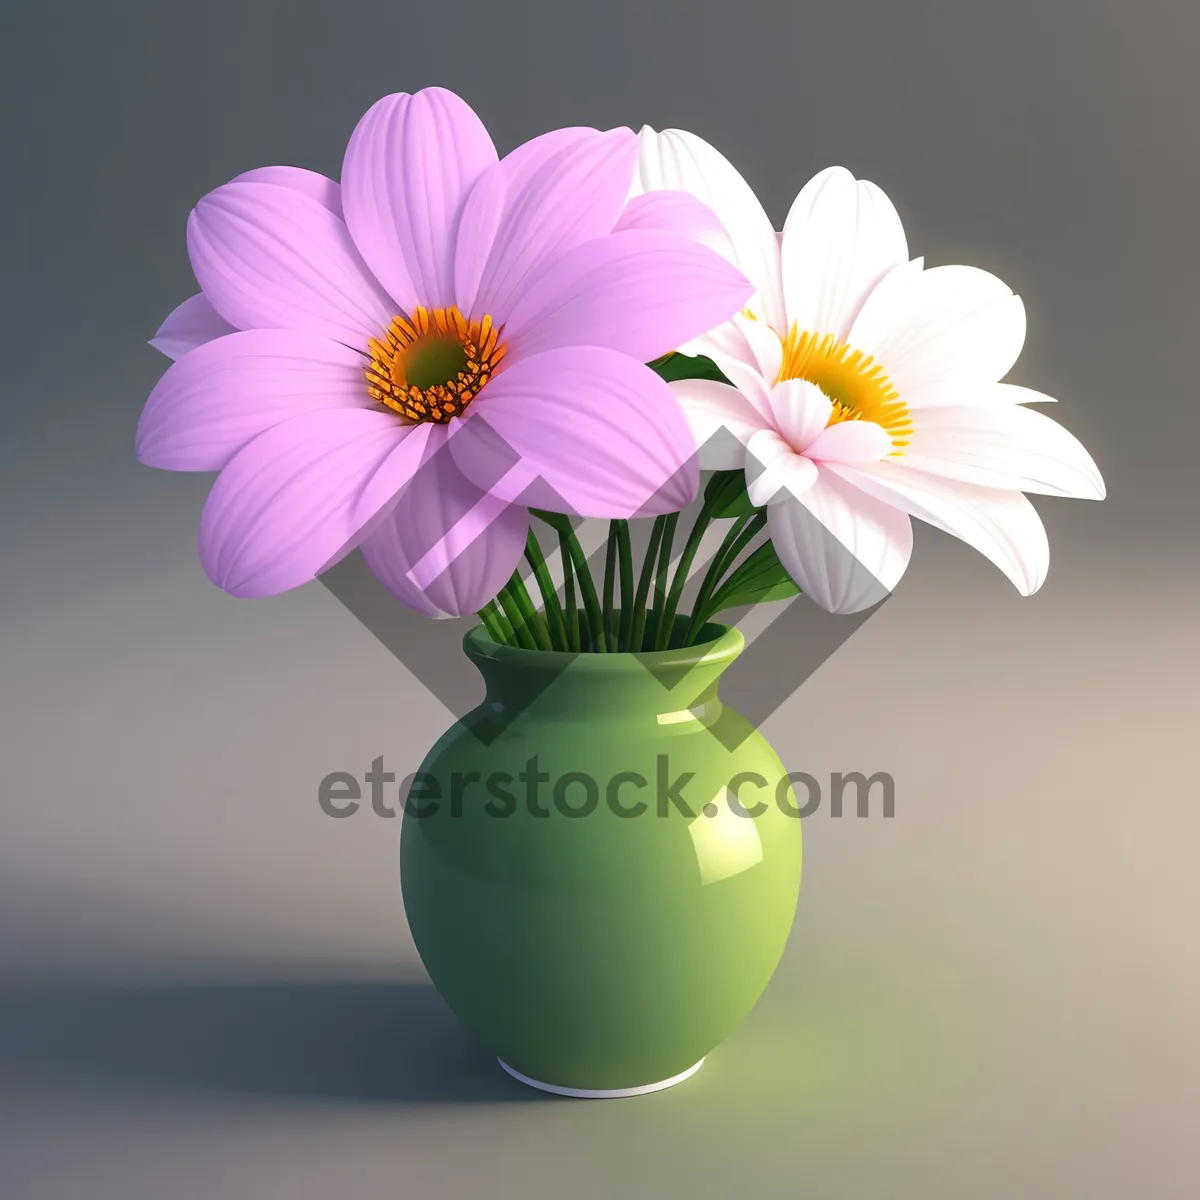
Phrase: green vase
(600, 863)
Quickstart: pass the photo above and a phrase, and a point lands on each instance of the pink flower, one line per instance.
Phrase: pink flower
(408, 361)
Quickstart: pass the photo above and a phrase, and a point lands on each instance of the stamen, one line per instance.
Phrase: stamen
(431, 365)
(854, 381)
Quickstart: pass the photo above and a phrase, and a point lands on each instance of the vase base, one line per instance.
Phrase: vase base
(601, 1093)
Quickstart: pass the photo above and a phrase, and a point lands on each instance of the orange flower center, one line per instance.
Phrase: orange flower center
(854, 381)
(430, 366)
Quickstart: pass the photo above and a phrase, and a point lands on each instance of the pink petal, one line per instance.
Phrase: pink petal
(477, 229)
(722, 421)
(845, 550)
(519, 164)
(447, 547)
(409, 166)
(574, 195)
(287, 505)
(582, 430)
(213, 401)
(1001, 525)
(674, 212)
(270, 257)
(189, 325)
(850, 442)
(642, 292)
(318, 187)
(676, 159)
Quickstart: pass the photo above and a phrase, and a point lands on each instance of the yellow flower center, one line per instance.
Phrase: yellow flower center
(854, 381)
(430, 366)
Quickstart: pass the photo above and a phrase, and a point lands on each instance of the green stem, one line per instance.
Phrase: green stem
(516, 618)
(667, 621)
(541, 572)
(742, 533)
(660, 580)
(494, 623)
(587, 587)
(625, 555)
(570, 608)
(638, 625)
(610, 580)
(537, 623)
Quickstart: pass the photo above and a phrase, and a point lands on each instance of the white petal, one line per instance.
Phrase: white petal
(942, 333)
(774, 471)
(844, 549)
(681, 161)
(840, 238)
(801, 410)
(988, 395)
(764, 344)
(850, 442)
(748, 352)
(1003, 526)
(1010, 393)
(722, 420)
(1003, 446)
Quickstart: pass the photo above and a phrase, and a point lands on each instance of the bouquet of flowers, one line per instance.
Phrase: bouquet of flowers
(416, 360)
(447, 351)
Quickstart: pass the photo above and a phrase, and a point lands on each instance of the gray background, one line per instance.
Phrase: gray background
(209, 986)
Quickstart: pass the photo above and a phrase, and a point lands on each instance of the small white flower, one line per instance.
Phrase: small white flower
(866, 388)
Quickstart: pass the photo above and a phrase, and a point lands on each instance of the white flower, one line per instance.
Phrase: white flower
(866, 388)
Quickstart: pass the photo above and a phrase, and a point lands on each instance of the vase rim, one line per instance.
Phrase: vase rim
(723, 645)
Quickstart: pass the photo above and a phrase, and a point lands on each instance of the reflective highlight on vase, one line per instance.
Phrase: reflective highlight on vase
(601, 954)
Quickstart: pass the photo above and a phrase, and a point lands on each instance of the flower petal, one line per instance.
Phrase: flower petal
(775, 473)
(1003, 526)
(800, 410)
(519, 164)
(642, 292)
(318, 187)
(742, 347)
(840, 238)
(409, 166)
(845, 550)
(1003, 446)
(676, 212)
(189, 325)
(477, 230)
(572, 196)
(485, 206)
(270, 257)
(676, 160)
(722, 421)
(286, 506)
(583, 430)
(208, 405)
(1009, 393)
(941, 334)
(447, 547)
(850, 442)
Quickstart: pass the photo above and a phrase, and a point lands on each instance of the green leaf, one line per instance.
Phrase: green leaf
(726, 490)
(680, 366)
(760, 579)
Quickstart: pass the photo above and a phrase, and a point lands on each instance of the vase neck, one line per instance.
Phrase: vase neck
(661, 685)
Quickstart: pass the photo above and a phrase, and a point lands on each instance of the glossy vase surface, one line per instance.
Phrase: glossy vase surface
(600, 863)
